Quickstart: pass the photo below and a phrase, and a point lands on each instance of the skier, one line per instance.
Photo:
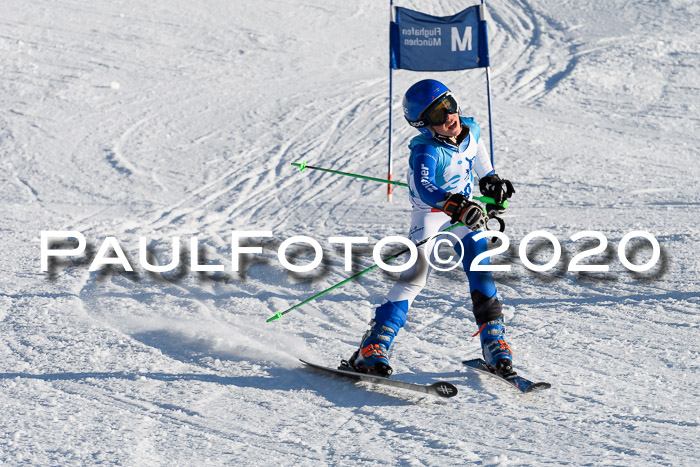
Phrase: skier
(444, 159)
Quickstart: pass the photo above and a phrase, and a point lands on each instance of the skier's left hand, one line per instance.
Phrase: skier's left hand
(500, 190)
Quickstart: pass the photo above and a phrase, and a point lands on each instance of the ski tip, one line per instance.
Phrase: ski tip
(444, 389)
(277, 315)
(538, 387)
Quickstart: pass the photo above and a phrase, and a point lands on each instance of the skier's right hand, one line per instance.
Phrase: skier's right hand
(461, 209)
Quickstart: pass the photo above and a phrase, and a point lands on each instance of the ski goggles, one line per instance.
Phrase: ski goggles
(436, 114)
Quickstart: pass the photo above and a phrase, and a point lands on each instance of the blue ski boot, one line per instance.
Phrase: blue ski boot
(496, 350)
(373, 355)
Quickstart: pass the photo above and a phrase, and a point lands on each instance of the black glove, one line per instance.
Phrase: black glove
(500, 190)
(460, 209)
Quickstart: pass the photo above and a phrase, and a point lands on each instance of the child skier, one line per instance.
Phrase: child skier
(442, 163)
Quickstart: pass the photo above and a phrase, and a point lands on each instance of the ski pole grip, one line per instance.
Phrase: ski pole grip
(489, 200)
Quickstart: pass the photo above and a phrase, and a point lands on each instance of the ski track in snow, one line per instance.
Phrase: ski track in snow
(171, 119)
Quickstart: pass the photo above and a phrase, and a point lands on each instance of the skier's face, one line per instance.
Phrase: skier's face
(450, 128)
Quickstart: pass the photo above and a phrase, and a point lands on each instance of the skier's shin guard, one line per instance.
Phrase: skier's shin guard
(486, 308)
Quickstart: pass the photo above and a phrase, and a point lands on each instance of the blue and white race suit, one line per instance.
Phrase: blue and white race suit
(436, 168)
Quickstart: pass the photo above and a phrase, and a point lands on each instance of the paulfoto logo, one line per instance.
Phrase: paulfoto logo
(110, 252)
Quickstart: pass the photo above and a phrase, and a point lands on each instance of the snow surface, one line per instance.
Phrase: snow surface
(164, 119)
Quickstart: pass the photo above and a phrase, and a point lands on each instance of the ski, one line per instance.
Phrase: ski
(518, 382)
(440, 389)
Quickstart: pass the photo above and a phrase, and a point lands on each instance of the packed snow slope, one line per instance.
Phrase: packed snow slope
(180, 119)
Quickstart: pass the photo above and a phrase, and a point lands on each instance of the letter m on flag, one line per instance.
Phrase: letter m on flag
(461, 43)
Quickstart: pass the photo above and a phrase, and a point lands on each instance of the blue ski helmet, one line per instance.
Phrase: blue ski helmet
(419, 98)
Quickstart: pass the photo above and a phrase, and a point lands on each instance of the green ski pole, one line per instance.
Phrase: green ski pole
(302, 166)
(279, 314)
